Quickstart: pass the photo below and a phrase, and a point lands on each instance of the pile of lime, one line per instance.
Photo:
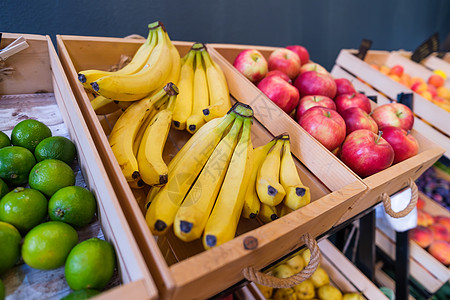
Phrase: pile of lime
(41, 210)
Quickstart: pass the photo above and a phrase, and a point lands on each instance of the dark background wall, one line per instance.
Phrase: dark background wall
(323, 26)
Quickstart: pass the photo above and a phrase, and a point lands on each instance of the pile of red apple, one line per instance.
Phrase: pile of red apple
(331, 110)
(432, 233)
(432, 89)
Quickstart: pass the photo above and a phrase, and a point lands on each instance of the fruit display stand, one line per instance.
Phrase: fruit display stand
(171, 261)
(37, 88)
(424, 268)
(431, 120)
(342, 272)
(332, 173)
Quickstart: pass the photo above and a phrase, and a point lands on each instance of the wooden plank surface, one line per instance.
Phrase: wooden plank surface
(22, 281)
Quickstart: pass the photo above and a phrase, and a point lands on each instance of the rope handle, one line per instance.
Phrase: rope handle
(412, 203)
(268, 280)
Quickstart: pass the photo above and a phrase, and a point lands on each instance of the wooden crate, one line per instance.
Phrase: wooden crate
(171, 261)
(434, 120)
(424, 268)
(342, 272)
(321, 162)
(39, 89)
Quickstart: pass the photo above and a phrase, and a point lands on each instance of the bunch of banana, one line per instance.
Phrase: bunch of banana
(204, 91)
(207, 181)
(139, 135)
(155, 63)
(275, 188)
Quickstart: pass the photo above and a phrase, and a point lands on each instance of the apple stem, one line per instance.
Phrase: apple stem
(352, 96)
(328, 114)
(379, 136)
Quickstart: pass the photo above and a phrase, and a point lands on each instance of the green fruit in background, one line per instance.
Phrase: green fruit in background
(4, 140)
(56, 147)
(81, 294)
(9, 247)
(90, 264)
(29, 133)
(50, 175)
(15, 165)
(73, 205)
(47, 245)
(24, 208)
(3, 188)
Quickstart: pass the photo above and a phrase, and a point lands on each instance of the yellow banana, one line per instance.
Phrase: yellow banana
(297, 195)
(131, 87)
(193, 214)
(251, 202)
(219, 94)
(138, 61)
(124, 132)
(140, 134)
(174, 74)
(104, 106)
(164, 206)
(151, 194)
(152, 168)
(268, 186)
(268, 213)
(183, 106)
(200, 95)
(223, 221)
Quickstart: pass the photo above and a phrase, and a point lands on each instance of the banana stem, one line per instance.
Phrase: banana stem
(198, 47)
(241, 109)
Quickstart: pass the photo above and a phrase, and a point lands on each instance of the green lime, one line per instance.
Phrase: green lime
(2, 290)
(90, 264)
(29, 133)
(15, 164)
(4, 140)
(56, 147)
(24, 208)
(3, 188)
(50, 175)
(73, 205)
(47, 245)
(81, 294)
(9, 246)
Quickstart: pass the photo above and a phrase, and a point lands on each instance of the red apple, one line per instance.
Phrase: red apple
(313, 100)
(280, 74)
(440, 232)
(286, 61)
(396, 70)
(313, 67)
(282, 93)
(393, 114)
(252, 64)
(403, 142)
(366, 153)
(301, 51)
(420, 203)
(324, 124)
(423, 236)
(346, 101)
(315, 83)
(443, 220)
(344, 86)
(355, 118)
(436, 80)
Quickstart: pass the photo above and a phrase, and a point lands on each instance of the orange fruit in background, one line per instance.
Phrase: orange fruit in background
(394, 77)
(384, 69)
(443, 92)
(440, 73)
(436, 80)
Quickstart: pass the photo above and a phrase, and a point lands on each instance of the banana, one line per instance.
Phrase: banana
(151, 194)
(268, 213)
(140, 134)
(104, 106)
(123, 104)
(283, 210)
(131, 87)
(138, 61)
(223, 221)
(200, 95)
(193, 213)
(219, 94)
(174, 74)
(297, 195)
(164, 206)
(251, 202)
(268, 186)
(124, 132)
(152, 168)
(183, 106)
